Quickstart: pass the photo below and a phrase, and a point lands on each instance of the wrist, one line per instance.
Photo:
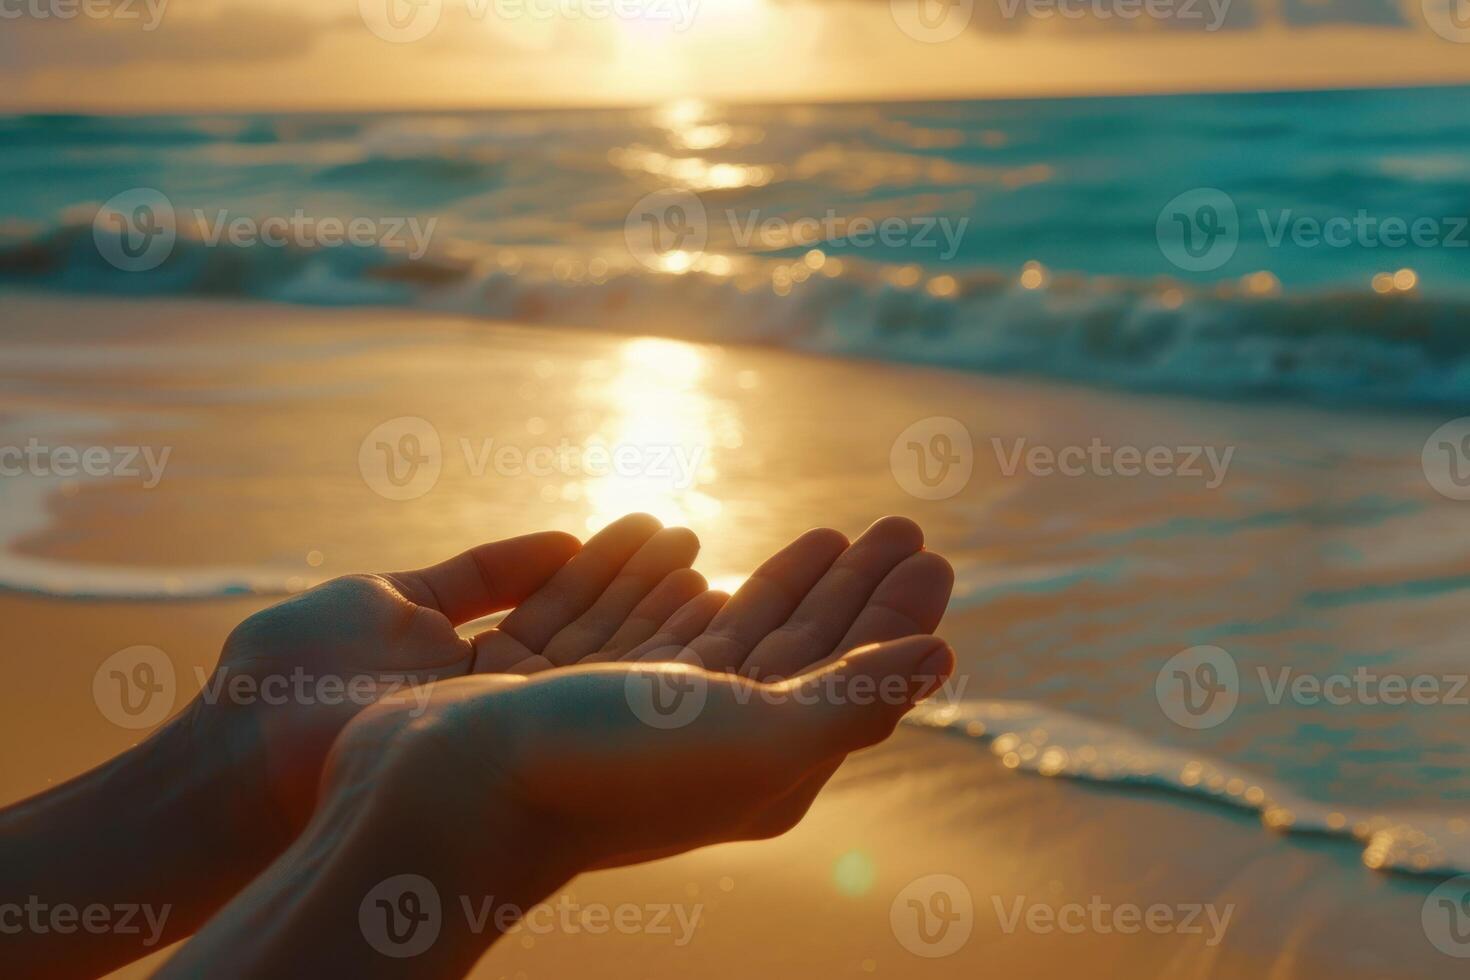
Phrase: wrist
(376, 886)
(225, 784)
(167, 827)
(459, 813)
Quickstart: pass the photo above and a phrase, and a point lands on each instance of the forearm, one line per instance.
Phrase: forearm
(373, 889)
(131, 855)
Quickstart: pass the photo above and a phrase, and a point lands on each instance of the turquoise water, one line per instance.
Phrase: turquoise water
(1214, 244)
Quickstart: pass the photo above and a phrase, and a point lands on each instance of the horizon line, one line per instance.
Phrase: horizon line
(631, 105)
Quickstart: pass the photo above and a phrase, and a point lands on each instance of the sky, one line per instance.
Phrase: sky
(226, 55)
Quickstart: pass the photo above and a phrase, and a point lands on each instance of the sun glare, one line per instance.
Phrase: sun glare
(677, 44)
(661, 429)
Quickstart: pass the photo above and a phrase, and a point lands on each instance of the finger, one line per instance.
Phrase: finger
(574, 588)
(670, 549)
(522, 663)
(858, 700)
(910, 600)
(832, 606)
(767, 598)
(489, 577)
(672, 640)
(497, 652)
(667, 598)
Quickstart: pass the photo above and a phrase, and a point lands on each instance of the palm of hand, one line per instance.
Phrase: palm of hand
(579, 779)
(577, 751)
(315, 661)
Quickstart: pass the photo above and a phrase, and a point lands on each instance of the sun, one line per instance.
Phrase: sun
(674, 44)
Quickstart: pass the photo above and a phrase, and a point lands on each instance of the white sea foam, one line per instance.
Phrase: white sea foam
(1040, 739)
(25, 513)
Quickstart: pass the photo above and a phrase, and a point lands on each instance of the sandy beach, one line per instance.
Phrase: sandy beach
(1071, 592)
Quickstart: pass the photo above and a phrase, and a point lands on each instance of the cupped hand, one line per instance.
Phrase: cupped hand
(812, 613)
(291, 676)
(816, 599)
(811, 603)
(572, 765)
(627, 595)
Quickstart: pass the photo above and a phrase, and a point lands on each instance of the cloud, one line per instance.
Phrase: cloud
(1105, 17)
(127, 31)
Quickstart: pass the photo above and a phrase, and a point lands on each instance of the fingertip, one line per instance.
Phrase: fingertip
(826, 538)
(637, 521)
(687, 579)
(902, 530)
(559, 541)
(681, 540)
(707, 604)
(860, 698)
(936, 668)
(934, 566)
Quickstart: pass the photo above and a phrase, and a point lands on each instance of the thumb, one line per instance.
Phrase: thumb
(489, 577)
(858, 700)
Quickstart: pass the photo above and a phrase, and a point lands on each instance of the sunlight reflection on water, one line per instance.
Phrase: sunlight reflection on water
(665, 433)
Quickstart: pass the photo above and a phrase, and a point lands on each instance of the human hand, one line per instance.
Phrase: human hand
(311, 663)
(567, 765)
(807, 608)
(812, 602)
(544, 776)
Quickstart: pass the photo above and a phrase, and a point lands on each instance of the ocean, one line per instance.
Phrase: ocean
(1303, 245)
